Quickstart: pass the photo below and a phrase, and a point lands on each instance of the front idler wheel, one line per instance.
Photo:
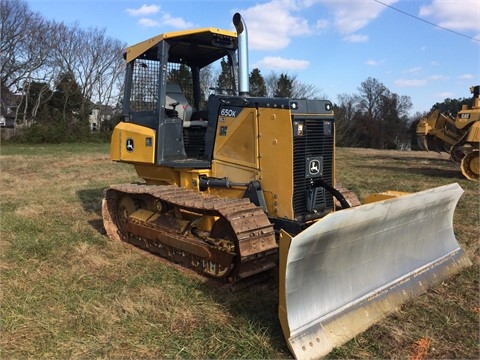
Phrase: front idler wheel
(470, 165)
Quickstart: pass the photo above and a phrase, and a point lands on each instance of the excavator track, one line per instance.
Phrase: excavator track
(229, 239)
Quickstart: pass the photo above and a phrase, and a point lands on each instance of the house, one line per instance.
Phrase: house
(98, 115)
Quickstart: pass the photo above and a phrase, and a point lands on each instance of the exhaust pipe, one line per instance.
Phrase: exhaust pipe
(243, 78)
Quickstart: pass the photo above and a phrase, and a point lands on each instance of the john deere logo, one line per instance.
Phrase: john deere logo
(129, 145)
(314, 167)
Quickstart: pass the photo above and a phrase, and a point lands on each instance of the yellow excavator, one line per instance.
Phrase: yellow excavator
(235, 186)
(459, 135)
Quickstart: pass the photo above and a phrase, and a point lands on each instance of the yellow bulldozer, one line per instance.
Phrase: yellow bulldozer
(235, 186)
(459, 135)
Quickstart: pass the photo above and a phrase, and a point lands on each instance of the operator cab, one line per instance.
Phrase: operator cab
(168, 81)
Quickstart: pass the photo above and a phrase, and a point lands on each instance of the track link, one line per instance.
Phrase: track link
(166, 220)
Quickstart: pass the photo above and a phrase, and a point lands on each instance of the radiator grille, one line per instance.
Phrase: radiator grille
(316, 143)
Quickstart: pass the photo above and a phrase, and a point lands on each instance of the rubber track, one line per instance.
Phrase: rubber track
(254, 233)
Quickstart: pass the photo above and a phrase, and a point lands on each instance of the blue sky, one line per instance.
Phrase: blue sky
(332, 44)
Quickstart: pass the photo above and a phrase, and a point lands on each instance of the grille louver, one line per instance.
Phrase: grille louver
(315, 143)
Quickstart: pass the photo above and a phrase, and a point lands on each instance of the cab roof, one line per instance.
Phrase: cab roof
(198, 47)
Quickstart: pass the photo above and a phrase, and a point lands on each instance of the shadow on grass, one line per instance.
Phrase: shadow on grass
(91, 201)
(256, 304)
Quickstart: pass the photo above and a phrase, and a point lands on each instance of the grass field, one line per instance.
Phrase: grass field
(69, 292)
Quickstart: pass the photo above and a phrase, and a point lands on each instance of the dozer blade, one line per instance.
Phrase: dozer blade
(355, 266)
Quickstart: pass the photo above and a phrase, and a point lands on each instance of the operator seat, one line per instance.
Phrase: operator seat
(174, 95)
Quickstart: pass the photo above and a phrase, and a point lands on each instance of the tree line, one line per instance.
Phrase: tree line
(375, 117)
(54, 74)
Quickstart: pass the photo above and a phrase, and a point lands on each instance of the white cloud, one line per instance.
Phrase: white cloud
(176, 22)
(419, 82)
(165, 19)
(322, 24)
(437, 77)
(355, 38)
(454, 15)
(466, 77)
(351, 16)
(413, 70)
(275, 62)
(271, 26)
(372, 62)
(143, 10)
(148, 22)
(444, 95)
(410, 82)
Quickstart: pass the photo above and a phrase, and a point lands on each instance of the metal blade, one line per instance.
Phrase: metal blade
(355, 266)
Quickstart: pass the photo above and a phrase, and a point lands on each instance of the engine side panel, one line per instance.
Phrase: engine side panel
(474, 133)
(276, 160)
(236, 138)
(133, 143)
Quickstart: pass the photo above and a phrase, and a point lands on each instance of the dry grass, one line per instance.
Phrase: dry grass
(68, 292)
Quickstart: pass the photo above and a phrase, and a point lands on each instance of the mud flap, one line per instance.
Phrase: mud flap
(355, 266)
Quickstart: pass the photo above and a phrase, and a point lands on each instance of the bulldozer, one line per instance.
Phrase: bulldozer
(459, 136)
(235, 187)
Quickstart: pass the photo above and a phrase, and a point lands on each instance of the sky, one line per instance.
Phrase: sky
(428, 50)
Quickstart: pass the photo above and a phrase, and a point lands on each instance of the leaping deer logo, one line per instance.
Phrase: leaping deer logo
(129, 145)
(314, 167)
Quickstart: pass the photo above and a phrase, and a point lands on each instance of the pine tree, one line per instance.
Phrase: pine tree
(257, 84)
(226, 80)
(284, 86)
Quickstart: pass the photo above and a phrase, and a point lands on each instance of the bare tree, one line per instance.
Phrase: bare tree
(100, 64)
(393, 121)
(24, 45)
(207, 81)
(24, 55)
(271, 81)
(381, 121)
(404, 104)
(371, 92)
(345, 112)
(301, 90)
(297, 89)
(21, 50)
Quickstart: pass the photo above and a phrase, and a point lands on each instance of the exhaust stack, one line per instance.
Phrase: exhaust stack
(243, 78)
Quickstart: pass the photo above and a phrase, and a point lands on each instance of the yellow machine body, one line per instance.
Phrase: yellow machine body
(250, 150)
(133, 143)
(459, 135)
(235, 186)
